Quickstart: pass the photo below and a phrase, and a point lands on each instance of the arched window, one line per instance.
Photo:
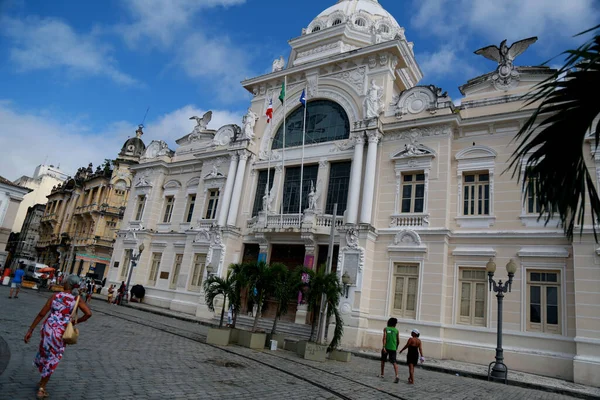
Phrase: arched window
(384, 29)
(316, 29)
(336, 22)
(360, 22)
(326, 121)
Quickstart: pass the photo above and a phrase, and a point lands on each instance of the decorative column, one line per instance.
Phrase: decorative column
(228, 189)
(237, 189)
(355, 175)
(98, 195)
(370, 170)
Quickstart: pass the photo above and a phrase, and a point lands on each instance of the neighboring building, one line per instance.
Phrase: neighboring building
(25, 242)
(82, 215)
(44, 178)
(422, 202)
(11, 196)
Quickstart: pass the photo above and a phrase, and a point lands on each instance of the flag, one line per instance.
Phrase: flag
(269, 112)
(282, 94)
(303, 98)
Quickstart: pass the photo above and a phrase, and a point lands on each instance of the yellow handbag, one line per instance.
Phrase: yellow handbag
(71, 333)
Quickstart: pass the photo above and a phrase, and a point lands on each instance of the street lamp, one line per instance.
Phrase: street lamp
(209, 270)
(346, 282)
(134, 260)
(497, 369)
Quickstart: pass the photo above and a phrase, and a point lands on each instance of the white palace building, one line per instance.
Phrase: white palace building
(423, 202)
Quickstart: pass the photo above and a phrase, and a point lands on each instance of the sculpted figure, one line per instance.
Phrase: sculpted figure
(249, 121)
(278, 64)
(202, 123)
(373, 101)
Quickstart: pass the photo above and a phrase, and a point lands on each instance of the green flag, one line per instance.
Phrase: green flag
(282, 94)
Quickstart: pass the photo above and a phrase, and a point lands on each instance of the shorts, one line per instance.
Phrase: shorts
(15, 285)
(390, 354)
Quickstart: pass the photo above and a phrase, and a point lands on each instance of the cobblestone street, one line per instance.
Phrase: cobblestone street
(127, 353)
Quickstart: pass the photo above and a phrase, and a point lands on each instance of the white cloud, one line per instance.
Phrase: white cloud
(550, 20)
(443, 63)
(33, 137)
(162, 20)
(50, 43)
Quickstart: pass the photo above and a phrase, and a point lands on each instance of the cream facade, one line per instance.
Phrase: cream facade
(44, 178)
(422, 194)
(82, 216)
(11, 196)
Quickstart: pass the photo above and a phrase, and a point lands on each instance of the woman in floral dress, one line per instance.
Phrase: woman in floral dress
(52, 347)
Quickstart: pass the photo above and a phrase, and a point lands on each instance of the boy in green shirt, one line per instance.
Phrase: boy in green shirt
(391, 338)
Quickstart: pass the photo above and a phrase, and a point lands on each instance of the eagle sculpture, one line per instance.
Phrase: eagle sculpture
(202, 123)
(505, 55)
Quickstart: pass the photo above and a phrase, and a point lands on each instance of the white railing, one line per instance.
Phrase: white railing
(206, 223)
(285, 221)
(325, 221)
(252, 222)
(409, 220)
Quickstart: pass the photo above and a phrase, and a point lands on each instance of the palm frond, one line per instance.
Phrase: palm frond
(551, 142)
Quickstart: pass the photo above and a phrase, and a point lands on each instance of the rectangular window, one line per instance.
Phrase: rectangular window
(406, 280)
(291, 188)
(543, 293)
(260, 189)
(476, 191)
(472, 307)
(197, 271)
(211, 204)
(175, 272)
(190, 207)
(154, 267)
(141, 203)
(337, 190)
(413, 192)
(169, 201)
(126, 260)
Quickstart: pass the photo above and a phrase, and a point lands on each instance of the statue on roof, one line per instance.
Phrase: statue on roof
(202, 123)
(505, 56)
(278, 64)
(249, 121)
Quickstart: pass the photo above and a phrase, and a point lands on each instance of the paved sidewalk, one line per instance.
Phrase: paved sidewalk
(516, 378)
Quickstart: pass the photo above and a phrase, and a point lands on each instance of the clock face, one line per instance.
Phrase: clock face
(131, 147)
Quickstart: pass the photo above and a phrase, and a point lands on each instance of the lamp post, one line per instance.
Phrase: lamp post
(497, 369)
(134, 260)
(209, 270)
(346, 282)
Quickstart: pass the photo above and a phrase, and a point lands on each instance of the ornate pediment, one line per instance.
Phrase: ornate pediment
(226, 134)
(476, 152)
(407, 240)
(172, 185)
(157, 148)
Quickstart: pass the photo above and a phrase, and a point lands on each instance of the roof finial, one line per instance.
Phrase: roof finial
(139, 131)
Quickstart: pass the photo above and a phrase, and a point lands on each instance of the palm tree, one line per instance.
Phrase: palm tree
(322, 283)
(284, 285)
(235, 297)
(216, 286)
(258, 277)
(551, 141)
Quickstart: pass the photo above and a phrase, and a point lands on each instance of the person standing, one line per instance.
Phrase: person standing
(391, 338)
(412, 357)
(52, 347)
(111, 293)
(16, 282)
(121, 292)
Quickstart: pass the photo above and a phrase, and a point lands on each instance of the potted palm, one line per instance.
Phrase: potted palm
(215, 286)
(258, 278)
(235, 298)
(284, 286)
(324, 290)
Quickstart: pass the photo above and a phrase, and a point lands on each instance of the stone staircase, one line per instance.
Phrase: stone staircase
(295, 331)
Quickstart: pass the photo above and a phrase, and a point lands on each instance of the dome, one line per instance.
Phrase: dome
(362, 15)
(134, 147)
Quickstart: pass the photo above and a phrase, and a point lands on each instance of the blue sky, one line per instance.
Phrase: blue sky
(76, 77)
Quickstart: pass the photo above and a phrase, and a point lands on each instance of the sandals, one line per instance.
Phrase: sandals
(41, 393)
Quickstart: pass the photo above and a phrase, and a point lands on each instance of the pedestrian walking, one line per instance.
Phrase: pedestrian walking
(121, 292)
(391, 338)
(17, 281)
(52, 347)
(111, 293)
(89, 291)
(412, 357)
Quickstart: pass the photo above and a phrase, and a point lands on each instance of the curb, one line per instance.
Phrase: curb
(482, 377)
(178, 317)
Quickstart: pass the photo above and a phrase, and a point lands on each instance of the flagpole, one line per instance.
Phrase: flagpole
(283, 149)
(302, 160)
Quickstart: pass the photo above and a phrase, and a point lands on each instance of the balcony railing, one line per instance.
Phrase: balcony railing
(101, 208)
(48, 217)
(206, 223)
(409, 220)
(325, 221)
(284, 221)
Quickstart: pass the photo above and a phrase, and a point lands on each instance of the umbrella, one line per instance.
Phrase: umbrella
(47, 269)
